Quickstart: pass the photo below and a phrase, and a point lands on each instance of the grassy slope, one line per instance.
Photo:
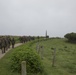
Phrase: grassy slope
(65, 58)
(4, 65)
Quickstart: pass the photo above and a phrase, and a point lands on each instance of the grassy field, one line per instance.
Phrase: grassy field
(65, 62)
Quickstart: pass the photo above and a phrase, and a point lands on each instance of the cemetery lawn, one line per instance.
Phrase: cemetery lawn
(65, 61)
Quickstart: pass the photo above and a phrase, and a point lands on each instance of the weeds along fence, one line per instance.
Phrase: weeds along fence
(23, 63)
(26, 53)
(37, 40)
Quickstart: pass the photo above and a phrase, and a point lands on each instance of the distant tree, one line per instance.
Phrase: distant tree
(71, 37)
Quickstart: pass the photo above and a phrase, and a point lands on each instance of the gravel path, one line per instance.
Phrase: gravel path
(1, 55)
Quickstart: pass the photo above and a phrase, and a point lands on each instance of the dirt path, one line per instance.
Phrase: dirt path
(1, 55)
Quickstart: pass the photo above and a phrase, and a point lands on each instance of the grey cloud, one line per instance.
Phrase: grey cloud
(34, 17)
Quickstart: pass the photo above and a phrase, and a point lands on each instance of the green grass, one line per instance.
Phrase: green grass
(65, 57)
(65, 63)
(4, 65)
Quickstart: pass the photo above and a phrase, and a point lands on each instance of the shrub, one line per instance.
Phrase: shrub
(33, 61)
(52, 48)
(71, 37)
(65, 46)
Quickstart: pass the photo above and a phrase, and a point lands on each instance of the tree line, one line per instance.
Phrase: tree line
(71, 37)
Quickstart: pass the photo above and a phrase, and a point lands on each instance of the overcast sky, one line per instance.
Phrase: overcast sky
(34, 17)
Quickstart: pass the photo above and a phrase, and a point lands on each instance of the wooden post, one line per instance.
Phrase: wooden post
(38, 48)
(23, 68)
(42, 49)
(54, 57)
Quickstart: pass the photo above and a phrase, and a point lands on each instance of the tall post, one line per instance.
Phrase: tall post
(46, 34)
(37, 47)
(54, 57)
(42, 49)
(23, 68)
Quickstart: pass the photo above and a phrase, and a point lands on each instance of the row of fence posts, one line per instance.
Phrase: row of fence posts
(40, 50)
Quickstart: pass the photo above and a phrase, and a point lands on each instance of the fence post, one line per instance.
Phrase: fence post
(42, 49)
(23, 68)
(38, 47)
(54, 57)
